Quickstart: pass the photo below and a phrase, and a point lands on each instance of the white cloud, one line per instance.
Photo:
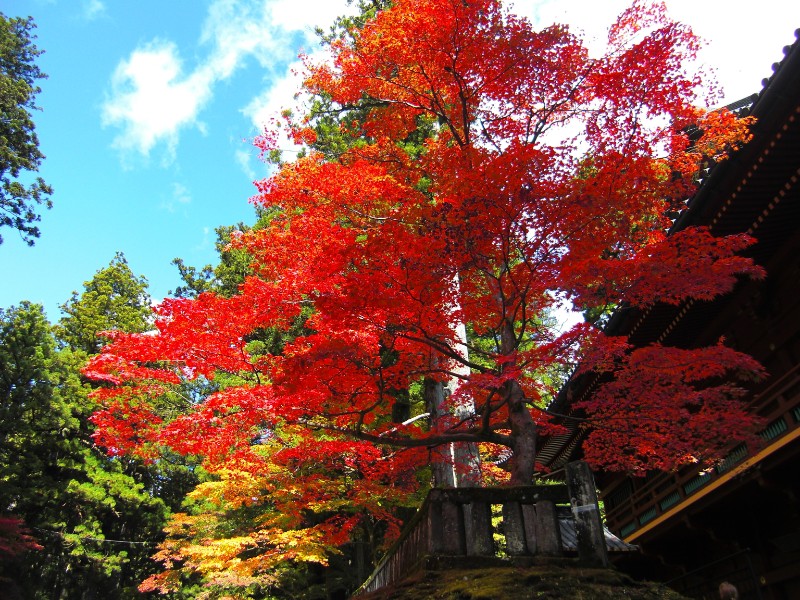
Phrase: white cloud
(154, 97)
(207, 240)
(93, 9)
(179, 196)
(243, 158)
(743, 45)
(268, 105)
(305, 15)
(265, 109)
(588, 18)
(152, 100)
(236, 30)
(740, 44)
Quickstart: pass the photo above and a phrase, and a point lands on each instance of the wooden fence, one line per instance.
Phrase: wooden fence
(458, 523)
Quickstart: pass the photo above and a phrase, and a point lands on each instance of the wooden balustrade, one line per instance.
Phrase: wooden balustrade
(632, 504)
(458, 523)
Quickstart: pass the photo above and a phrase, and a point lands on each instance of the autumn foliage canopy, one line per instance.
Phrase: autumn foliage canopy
(494, 171)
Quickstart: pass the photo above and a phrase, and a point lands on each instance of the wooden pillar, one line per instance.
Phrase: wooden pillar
(588, 525)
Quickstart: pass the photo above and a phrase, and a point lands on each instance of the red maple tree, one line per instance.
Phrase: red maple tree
(15, 538)
(545, 175)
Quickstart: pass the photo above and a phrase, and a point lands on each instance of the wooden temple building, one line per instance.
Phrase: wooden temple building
(739, 521)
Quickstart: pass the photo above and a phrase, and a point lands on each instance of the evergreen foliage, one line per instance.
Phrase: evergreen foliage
(94, 520)
(19, 144)
(114, 299)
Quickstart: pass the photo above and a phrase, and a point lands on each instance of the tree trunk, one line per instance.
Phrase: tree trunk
(442, 463)
(456, 464)
(466, 458)
(523, 433)
(523, 428)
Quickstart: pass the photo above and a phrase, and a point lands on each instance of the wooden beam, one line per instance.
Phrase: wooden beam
(714, 485)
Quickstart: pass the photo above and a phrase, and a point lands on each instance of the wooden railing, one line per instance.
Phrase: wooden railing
(458, 523)
(632, 504)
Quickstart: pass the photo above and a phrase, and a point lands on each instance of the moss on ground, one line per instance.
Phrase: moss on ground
(523, 583)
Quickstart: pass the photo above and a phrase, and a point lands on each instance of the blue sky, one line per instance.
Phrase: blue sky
(150, 107)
